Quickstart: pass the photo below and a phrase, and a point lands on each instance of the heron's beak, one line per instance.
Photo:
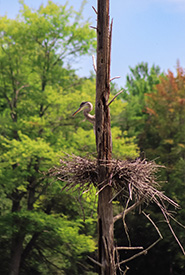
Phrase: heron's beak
(77, 111)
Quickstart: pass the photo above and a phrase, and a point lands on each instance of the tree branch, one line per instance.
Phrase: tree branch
(128, 247)
(18, 90)
(95, 262)
(144, 252)
(126, 211)
(172, 231)
(116, 77)
(94, 63)
(92, 27)
(115, 97)
(94, 10)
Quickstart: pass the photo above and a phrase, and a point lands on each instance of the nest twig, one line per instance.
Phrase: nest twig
(77, 173)
(135, 180)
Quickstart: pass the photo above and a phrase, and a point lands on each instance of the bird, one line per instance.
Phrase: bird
(87, 108)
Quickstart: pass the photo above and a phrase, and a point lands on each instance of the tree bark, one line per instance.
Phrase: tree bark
(17, 247)
(103, 142)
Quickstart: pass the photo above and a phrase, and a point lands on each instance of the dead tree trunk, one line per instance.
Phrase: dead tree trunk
(103, 141)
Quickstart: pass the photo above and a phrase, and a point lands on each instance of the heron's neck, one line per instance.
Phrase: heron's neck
(89, 117)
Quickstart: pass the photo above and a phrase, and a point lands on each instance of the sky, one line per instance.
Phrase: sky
(151, 31)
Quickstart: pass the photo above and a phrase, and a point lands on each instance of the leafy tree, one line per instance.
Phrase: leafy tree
(160, 137)
(35, 104)
(165, 125)
(42, 229)
(139, 82)
(164, 137)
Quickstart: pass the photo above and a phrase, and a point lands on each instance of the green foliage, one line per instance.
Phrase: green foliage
(49, 231)
(140, 81)
(165, 107)
(156, 103)
(38, 96)
(123, 147)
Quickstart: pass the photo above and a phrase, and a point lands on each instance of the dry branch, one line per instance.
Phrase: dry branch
(115, 97)
(143, 252)
(94, 261)
(94, 10)
(94, 63)
(126, 211)
(172, 231)
(129, 248)
(92, 27)
(115, 77)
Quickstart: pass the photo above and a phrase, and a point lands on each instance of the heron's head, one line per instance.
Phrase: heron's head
(82, 106)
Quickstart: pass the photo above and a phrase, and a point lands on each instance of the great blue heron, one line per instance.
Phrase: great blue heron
(87, 108)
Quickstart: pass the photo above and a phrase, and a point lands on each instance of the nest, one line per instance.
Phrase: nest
(130, 180)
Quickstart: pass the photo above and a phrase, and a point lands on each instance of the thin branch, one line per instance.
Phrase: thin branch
(18, 90)
(124, 223)
(94, 10)
(92, 27)
(116, 194)
(115, 97)
(144, 252)
(152, 222)
(173, 233)
(103, 187)
(95, 262)
(177, 222)
(126, 269)
(116, 77)
(94, 63)
(132, 207)
(128, 247)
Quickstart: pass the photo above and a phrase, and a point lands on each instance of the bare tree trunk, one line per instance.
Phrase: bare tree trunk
(103, 141)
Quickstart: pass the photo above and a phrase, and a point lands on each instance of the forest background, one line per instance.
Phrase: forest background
(48, 231)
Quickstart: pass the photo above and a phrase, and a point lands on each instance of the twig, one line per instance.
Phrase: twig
(157, 229)
(117, 257)
(129, 248)
(126, 269)
(94, 63)
(92, 27)
(17, 92)
(144, 252)
(116, 77)
(130, 191)
(124, 223)
(177, 222)
(116, 194)
(95, 262)
(120, 216)
(94, 10)
(102, 187)
(173, 233)
(115, 97)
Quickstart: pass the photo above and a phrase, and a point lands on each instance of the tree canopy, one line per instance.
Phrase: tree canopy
(42, 229)
(160, 107)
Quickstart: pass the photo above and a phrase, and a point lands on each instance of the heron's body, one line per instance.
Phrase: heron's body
(87, 108)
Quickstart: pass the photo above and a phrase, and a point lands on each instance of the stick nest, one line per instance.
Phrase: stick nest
(134, 180)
